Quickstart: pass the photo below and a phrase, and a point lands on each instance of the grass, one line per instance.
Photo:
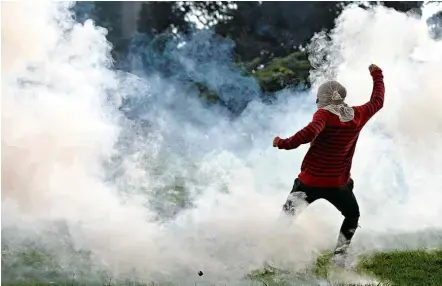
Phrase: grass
(413, 267)
(418, 267)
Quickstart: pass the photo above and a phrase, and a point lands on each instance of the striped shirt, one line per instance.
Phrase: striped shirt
(333, 143)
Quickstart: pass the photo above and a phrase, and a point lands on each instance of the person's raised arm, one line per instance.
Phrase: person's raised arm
(377, 96)
(306, 134)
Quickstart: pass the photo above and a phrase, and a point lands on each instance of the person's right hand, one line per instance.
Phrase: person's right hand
(373, 67)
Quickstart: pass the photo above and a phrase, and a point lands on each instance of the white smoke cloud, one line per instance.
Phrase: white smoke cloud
(58, 130)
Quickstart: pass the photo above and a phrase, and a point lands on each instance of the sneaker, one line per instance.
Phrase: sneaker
(339, 258)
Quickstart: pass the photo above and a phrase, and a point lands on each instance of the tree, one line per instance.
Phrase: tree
(274, 29)
(403, 6)
(159, 17)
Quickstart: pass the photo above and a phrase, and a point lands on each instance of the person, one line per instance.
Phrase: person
(325, 170)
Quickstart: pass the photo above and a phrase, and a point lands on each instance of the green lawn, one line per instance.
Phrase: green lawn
(419, 267)
(406, 267)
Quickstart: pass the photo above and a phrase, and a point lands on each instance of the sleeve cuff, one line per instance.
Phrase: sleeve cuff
(280, 142)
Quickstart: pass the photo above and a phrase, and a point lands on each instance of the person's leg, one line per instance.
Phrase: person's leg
(345, 201)
(299, 198)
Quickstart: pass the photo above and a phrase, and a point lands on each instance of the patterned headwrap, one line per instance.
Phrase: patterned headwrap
(331, 97)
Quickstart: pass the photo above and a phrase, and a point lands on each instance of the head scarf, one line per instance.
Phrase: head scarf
(331, 97)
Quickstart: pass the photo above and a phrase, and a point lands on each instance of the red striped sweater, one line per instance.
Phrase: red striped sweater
(329, 158)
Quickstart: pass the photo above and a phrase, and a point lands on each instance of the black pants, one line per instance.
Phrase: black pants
(342, 198)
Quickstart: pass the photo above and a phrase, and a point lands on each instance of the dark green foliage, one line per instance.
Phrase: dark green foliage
(280, 73)
(107, 14)
(267, 34)
(275, 28)
(265, 29)
(157, 17)
(206, 94)
(403, 6)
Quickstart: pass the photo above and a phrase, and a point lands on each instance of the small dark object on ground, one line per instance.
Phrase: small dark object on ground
(200, 273)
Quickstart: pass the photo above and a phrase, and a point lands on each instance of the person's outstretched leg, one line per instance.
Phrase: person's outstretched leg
(345, 201)
(299, 198)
